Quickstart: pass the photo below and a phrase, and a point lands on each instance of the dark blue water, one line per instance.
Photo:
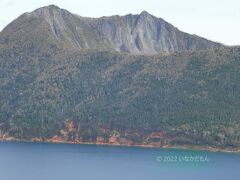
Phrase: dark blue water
(39, 161)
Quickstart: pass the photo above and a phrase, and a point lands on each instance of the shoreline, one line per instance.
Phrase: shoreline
(178, 147)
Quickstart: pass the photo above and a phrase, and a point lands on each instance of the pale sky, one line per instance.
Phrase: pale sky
(217, 20)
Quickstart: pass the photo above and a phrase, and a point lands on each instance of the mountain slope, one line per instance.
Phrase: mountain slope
(134, 34)
(191, 97)
(63, 79)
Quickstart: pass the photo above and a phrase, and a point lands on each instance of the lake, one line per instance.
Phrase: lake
(42, 161)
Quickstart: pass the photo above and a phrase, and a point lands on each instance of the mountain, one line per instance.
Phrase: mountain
(63, 79)
(51, 27)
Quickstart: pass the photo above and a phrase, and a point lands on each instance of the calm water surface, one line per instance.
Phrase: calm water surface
(39, 161)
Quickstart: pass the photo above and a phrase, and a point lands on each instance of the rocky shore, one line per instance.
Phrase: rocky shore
(150, 145)
(70, 134)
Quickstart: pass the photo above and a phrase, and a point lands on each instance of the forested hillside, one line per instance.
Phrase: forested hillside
(193, 98)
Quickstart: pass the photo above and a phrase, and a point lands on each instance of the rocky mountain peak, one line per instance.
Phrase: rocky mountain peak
(50, 11)
(50, 8)
(133, 34)
(145, 14)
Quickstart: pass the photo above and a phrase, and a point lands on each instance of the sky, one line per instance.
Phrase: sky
(217, 20)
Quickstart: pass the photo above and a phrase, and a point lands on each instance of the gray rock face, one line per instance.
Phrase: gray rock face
(134, 34)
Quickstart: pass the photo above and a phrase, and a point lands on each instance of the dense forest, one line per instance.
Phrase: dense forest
(193, 97)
